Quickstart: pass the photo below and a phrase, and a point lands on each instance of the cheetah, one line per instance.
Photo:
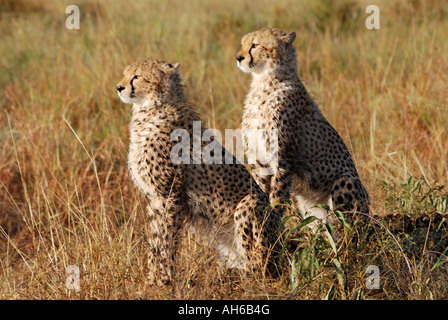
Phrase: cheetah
(219, 202)
(314, 164)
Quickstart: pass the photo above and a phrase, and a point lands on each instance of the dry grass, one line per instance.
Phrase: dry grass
(65, 196)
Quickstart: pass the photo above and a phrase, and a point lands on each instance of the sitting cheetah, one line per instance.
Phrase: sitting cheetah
(314, 165)
(220, 202)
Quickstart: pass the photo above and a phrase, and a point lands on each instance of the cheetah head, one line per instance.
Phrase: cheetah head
(265, 50)
(148, 80)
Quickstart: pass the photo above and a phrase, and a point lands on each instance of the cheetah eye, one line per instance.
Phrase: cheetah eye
(254, 45)
(136, 77)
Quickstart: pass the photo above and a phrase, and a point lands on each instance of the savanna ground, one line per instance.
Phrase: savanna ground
(65, 194)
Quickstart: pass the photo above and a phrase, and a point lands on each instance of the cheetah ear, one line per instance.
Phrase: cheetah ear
(171, 67)
(290, 37)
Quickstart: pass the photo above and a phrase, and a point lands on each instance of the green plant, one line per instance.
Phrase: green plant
(415, 197)
(316, 250)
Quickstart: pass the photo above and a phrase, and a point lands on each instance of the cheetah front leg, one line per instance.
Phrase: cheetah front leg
(255, 228)
(280, 186)
(165, 223)
(262, 180)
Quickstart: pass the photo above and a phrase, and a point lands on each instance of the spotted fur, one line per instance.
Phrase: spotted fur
(220, 202)
(315, 166)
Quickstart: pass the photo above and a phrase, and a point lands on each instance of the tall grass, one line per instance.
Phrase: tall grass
(65, 195)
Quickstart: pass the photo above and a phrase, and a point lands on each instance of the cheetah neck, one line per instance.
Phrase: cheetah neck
(154, 116)
(148, 117)
(144, 118)
(268, 94)
(279, 78)
(145, 106)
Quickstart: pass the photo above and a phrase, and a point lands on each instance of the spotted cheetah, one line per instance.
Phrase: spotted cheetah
(314, 164)
(219, 202)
